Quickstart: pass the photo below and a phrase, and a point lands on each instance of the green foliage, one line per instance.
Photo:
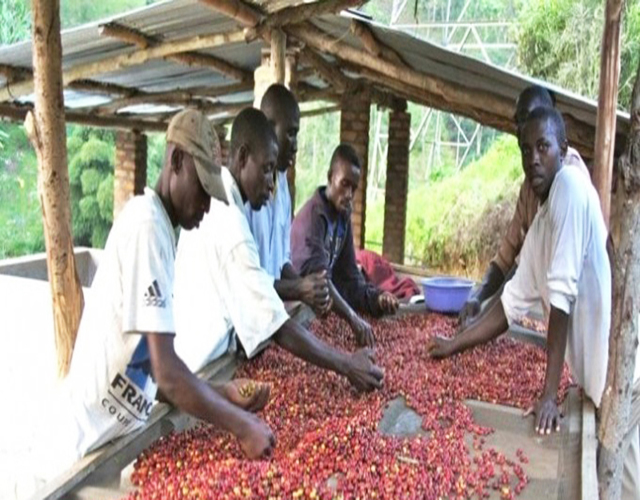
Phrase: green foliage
(91, 164)
(105, 197)
(15, 21)
(318, 137)
(20, 216)
(457, 221)
(156, 145)
(559, 41)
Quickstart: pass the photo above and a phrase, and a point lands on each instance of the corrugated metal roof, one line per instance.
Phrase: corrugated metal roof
(179, 19)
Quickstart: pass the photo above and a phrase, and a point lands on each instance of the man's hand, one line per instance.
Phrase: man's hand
(257, 440)
(314, 290)
(439, 347)
(469, 311)
(388, 303)
(248, 394)
(547, 414)
(362, 371)
(363, 332)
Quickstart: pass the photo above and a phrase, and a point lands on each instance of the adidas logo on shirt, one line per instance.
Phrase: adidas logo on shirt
(153, 296)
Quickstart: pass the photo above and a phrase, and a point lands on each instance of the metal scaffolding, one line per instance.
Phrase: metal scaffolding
(444, 138)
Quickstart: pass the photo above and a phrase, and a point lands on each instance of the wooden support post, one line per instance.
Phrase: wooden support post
(278, 55)
(607, 104)
(623, 340)
(46, 129)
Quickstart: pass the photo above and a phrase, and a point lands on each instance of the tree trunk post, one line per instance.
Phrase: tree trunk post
(278, 55)
(623, 342)
(607, 104)
(46, 129)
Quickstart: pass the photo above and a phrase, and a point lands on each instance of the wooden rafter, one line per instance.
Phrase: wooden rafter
(297, 14)
(143, 41)
(183, 97)
(18, 113)
(374, 46)
(212, 62)
(15, 73)
(96, 87)
(320, 111)
(327, 71)
(128, 35)
(309, 93)
(87, 70)
(468, 101)
(236, 9)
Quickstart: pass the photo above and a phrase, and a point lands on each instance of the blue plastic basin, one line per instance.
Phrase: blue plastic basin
(446, 294)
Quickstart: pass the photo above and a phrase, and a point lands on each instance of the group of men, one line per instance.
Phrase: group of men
(159, 311)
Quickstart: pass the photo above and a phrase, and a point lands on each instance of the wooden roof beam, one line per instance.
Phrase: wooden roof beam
(143, 41)
(16, 73)
(18, 113)
(453, 93)
(320, 111)
(87, 70)
(185, 97)
(327, 71)
(128, 35)
(373, 45)
(298, 14)
(237, 10)
(309, 93)
(212, 62)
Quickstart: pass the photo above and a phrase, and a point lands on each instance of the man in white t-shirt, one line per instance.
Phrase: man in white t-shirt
(503, 265)
(564, 267)
(124, 353)
(271, 224)
(223, 295)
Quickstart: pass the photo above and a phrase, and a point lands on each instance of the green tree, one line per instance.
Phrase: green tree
(91, 165)
(559, 42)
(15, 21)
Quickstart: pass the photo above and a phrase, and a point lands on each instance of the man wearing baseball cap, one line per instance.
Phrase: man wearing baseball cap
(124, 354)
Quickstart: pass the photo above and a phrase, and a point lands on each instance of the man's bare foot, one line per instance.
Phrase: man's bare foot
(245, 393)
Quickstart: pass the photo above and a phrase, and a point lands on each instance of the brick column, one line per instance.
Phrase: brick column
(130, 176)
(354, 130)
(395, 197)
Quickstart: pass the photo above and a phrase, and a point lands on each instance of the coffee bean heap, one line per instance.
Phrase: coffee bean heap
(328, 446)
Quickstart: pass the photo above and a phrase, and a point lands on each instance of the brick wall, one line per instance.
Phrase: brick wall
(395, 202)
(130, 176)
(354, 130)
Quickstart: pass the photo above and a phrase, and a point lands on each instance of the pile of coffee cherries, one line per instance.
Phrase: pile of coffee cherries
(328, 443)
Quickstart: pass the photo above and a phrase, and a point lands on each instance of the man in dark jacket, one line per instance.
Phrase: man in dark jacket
(322, 240)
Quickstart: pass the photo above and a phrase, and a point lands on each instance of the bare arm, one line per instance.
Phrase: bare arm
(361, 329)
(186, 391)
(489, 326)
(546, 410)
(358, 367)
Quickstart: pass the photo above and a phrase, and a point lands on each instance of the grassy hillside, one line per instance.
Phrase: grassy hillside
(454, 224)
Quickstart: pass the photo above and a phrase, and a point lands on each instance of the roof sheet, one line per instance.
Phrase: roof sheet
(178, 19)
